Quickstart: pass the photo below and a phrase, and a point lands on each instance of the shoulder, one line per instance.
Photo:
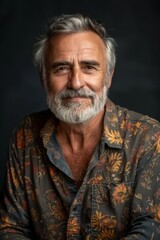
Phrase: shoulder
(36, 119)
(124, 116)
(135, 118)
(142, 128)
(130, 127)
(28, 130)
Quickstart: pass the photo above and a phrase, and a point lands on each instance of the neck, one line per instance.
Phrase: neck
(75, 137)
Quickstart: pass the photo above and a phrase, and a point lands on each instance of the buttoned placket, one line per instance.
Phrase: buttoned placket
(73, 230)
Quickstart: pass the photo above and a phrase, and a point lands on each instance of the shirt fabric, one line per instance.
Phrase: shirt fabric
(119, 197)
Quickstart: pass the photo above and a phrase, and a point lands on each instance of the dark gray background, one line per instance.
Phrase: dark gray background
(135, 25)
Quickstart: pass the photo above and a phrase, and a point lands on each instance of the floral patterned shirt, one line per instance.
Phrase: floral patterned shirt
(119, 197)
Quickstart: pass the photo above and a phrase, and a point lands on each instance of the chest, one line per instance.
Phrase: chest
(78, 164)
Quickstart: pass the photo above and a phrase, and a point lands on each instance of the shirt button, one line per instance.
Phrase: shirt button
(75, 208)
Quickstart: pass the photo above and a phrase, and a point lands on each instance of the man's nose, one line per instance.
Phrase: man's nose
(75, 80)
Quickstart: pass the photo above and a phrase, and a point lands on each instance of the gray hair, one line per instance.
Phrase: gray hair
(76, 23)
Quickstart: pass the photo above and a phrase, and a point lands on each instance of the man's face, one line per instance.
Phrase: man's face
(75, 75)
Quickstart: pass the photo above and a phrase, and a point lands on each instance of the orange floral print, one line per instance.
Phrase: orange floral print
(115, 161)
(20, 139)
(40, 190)
(121, 193)
(101, 221)
(113, 136)
(73, 227)
(28, 136)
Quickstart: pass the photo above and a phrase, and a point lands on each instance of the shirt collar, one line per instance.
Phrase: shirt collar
(111, 132)
(48, 130)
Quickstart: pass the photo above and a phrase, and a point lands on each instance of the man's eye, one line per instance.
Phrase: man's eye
(61, 69)
(89, 68)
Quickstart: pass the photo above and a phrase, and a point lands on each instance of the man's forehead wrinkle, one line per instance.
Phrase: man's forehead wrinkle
(71, 63)
(81, 58)
(79, 52)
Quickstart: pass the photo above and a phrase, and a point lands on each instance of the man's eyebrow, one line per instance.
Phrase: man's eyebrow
(83, 62)
(90, 62)
(60, 63)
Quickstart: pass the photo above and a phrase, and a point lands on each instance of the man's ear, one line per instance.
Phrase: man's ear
(110, 78)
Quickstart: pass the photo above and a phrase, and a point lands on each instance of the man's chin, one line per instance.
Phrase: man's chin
(76, 120)
(77, 105)
(75, 115)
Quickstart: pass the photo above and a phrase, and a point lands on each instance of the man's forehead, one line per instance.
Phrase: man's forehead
(76, 46)
(83, 40)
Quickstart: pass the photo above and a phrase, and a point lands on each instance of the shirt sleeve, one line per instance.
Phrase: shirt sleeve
(14, 220)
(145, 208)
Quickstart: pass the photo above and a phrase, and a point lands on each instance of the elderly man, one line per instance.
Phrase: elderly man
(86, 168)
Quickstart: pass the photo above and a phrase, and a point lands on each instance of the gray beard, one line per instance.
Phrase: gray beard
(76, 112)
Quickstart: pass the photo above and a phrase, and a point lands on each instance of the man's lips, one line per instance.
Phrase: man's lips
(77, 98)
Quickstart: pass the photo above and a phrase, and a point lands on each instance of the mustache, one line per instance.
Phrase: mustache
(77, 93)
